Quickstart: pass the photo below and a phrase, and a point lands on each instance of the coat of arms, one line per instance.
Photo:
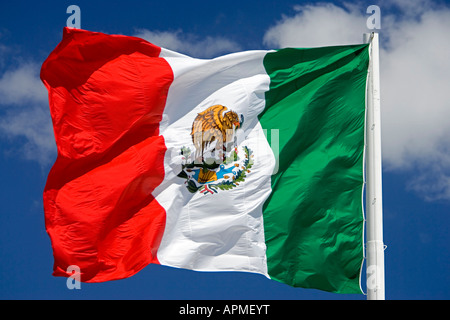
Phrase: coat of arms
(217, 163)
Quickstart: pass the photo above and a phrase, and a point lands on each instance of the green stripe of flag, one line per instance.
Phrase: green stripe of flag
(313, 219)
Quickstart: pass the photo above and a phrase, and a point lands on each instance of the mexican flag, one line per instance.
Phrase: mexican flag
(251, 161)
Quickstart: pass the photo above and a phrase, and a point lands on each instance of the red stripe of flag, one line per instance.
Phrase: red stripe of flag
(107, 94)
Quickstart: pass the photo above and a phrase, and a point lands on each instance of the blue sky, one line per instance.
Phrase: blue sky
(415, 131)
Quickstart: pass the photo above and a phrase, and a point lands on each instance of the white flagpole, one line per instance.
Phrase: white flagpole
(374, 210)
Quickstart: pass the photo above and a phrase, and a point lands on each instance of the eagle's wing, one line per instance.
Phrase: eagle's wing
(207, 126)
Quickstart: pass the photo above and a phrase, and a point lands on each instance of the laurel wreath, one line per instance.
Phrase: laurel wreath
(223, 185)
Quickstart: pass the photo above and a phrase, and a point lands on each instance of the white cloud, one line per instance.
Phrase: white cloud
(25, 117)
(22, 85)
(35, 126)
(414, 80)
(188, 43)
(317, 25)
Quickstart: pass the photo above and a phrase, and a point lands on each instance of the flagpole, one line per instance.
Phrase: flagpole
(374, 210)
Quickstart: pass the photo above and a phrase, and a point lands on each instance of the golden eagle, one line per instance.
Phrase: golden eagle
(214, 124)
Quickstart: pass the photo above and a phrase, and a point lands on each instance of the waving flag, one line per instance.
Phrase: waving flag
(251, 161)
